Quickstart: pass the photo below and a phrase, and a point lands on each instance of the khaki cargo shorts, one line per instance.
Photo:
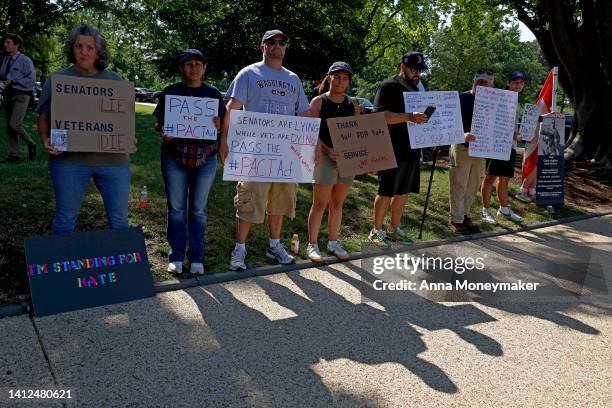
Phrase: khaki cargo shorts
(256, 199)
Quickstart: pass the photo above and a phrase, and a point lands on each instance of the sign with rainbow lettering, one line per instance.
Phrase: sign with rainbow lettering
(87, 269)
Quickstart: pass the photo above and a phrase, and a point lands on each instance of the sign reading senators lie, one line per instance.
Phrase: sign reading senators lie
(97, 115)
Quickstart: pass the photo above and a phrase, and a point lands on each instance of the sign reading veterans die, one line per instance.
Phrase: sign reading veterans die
(271, 148)
(529, 122)
(88, 269)
(362, 142)
(444, 127)
(551, 164)
(189, 117)
(493, 123)
(97, 114)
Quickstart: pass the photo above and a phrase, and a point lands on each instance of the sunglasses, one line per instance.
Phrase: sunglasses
(271, 41)
(415, 70)
(484, 71)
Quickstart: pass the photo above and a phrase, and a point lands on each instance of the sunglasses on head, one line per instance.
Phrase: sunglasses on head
(484, 71)
(271, 41)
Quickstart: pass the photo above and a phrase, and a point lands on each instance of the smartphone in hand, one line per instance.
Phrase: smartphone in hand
(429, 111)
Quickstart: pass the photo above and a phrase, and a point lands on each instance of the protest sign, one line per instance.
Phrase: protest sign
(444, 127)
(551, 166)
(270, 148)
(529, 121)
(97, 114)
(493, 123)
(189, 117)
(77, 271)
(363, 144)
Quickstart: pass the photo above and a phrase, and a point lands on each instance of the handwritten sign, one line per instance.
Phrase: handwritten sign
(444, 127)
(551, 164)
(493, 123)
(529, 121)
(363, 144)
(267, 147)
(87, 269)
(97, 114)
(189, 117)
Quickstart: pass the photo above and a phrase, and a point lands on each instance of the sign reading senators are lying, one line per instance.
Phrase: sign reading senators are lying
(97, 114)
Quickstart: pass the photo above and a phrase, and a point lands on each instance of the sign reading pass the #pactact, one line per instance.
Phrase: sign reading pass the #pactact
(363, 144)
(444, 127)
(190, 117)
(267, 147)
(97, 114)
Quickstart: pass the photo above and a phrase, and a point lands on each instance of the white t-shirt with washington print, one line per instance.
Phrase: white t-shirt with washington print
(263, 89)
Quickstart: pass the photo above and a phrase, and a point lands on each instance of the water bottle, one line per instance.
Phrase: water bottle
(295, 244)
(144, 194)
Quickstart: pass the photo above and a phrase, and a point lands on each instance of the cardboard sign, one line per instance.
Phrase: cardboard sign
(189, 117)
(88, 269)
(444, 127)
(270, 148)
(97, 114)
(529, 122)
(551, 164)
(493, 123)
(363, 144)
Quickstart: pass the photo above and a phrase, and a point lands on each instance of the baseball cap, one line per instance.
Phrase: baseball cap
(517, 75)
(484, 73)
(340, 66)
(272, 33)
(190, 53)
(414, 59)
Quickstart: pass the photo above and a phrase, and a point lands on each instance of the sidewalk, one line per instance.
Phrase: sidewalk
(322, 337)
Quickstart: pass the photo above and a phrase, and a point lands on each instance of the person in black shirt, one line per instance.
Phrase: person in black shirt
(395, 184)
(465, 171)
(188, 168)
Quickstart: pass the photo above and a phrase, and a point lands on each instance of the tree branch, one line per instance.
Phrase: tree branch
(381, 29)
(382, 53)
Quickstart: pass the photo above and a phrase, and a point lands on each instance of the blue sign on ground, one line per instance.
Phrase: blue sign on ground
(87, 269)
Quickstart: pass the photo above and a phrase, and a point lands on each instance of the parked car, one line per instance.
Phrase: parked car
(144, 95)
(366, 105)
(569, 120)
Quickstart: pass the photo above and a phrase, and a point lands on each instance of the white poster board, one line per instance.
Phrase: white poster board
(493, 123)
(444, 127)
(529, 121)
(189, 117)
(270, 148)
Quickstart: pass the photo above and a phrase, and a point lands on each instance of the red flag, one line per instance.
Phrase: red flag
(544, 100)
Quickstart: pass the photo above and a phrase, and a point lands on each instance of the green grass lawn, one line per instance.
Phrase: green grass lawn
(27, 208)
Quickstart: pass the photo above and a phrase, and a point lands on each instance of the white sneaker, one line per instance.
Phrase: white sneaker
(280, 255)
(338, 251)
(523, 197)
(175, 268)
(313, 253)
(511, 215)
(197, 268)
(487, 217)
(378, 238)
(237, 260)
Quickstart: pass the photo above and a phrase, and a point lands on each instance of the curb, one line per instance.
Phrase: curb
(175, 284)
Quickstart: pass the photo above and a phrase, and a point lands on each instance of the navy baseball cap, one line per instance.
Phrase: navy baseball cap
(414, 60)
(517, 75)
(340, 66)
(190, 53)
(272, 33)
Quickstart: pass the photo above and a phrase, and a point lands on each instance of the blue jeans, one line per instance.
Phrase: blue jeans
(69, 184)
(187, 185)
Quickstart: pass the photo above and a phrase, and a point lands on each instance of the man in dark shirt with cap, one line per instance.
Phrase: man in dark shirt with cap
(395, 184)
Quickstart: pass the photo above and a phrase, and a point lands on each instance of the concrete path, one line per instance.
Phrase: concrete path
(324, 338)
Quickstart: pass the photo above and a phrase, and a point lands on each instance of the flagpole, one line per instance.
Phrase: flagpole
(554, 90)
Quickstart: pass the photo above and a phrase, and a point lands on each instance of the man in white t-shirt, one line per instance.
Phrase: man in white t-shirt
(267, 87)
